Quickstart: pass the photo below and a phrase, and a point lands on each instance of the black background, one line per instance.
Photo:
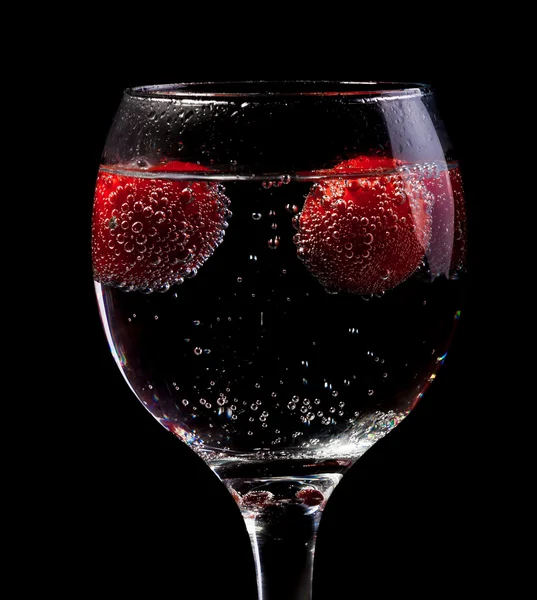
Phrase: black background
(121, 506)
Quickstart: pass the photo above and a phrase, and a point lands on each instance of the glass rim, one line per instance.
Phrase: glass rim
(272, 90)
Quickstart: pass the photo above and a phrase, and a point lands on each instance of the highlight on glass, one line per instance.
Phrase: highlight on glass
(279, 269)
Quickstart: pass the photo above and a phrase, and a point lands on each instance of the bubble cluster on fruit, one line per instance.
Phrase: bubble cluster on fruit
(150, 234)
(365, 234)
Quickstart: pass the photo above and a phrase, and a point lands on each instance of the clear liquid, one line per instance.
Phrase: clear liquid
(254, 360)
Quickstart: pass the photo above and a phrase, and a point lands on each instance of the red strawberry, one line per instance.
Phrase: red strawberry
(257, 499)
(310, 496)
(151, 233)
(365, 234)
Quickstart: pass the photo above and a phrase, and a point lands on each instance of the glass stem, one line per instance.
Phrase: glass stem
(282, 516)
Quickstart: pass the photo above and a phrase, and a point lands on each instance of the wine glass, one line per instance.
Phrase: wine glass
(279, 268)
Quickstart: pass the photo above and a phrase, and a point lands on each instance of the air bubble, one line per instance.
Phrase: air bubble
(256, 216)
(197, 351)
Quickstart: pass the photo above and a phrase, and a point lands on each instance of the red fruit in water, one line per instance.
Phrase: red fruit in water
(151, 233)
(365, 234)
(310, 496)
(257, 499)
